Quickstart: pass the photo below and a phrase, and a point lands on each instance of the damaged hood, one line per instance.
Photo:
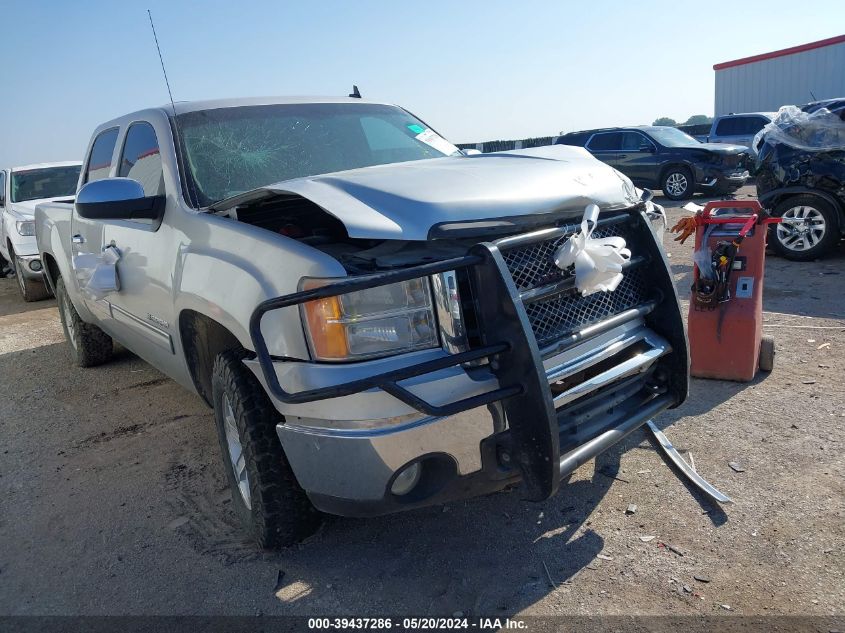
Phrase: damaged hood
(722, 148)
(414, 200)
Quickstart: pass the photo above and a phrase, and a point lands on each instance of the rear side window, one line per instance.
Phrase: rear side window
(99, 162)
(141, 159)
(2, 188)
(606, 141)
(741, 125)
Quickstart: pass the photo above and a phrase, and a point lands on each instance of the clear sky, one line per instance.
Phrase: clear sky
(475, 70)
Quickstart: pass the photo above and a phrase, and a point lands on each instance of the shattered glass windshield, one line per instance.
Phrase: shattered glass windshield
(232, 150)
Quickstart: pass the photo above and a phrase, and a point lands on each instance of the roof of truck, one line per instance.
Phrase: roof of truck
(212, 104)
(66, 163)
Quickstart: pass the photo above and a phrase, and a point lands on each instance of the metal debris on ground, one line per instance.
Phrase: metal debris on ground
(549, 575)
(687, 589)
(670, 547)
(809, 382)
(646, 539)
(604, 557)
(631, 509)
(736, 467)
(670, 452)
(823, 346)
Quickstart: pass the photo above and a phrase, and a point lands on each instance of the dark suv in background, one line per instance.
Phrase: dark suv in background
(665, 158)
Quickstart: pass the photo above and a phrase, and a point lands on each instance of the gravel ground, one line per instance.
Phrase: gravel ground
(113, 498)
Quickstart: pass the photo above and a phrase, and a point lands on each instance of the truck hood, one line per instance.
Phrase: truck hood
(414, 200)
(26, 210)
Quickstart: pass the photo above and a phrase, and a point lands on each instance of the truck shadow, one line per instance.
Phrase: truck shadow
(496, 555)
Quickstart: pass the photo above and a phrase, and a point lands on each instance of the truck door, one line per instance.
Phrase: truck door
(139, 313)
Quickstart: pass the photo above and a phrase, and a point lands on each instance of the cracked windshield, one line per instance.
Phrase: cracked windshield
(233, 150)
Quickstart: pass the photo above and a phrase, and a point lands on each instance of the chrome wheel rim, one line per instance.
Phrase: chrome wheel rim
(236, 451)
(801, 228)
(67, 317)
(676, 184)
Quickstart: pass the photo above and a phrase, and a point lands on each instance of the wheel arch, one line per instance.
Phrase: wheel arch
(51, 271)
(671, 165)
(202, 339)
(773, 198)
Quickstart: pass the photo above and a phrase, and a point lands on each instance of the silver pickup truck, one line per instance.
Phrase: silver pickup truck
(377, 319)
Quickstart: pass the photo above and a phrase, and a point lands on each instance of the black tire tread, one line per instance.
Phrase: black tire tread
(281, 513)
(93, 346)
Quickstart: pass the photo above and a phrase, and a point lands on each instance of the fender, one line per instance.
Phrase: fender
(227, 286)
(56, 232)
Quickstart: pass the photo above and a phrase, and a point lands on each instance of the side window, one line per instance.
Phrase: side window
(2, 188)
(753, 124)
(632, 141)
(99, 163)
(141, 160)
(605, 141)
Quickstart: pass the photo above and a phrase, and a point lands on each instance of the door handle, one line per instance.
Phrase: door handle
(77, 239)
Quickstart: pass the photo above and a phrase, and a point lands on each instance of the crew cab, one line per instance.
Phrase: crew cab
(376, 318)
(21, 188)
(666, 158)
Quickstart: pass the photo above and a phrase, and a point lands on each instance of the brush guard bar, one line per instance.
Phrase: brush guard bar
(508, 342)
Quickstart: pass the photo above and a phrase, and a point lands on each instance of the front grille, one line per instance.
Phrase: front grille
(532, 267)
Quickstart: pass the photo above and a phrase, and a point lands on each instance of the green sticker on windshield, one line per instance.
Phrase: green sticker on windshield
(416, 129)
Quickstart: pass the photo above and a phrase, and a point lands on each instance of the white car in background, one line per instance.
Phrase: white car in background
(21, 188)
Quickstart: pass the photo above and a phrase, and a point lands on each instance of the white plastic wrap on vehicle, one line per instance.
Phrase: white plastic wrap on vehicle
(598, 262)
(97, 273)
(817, 131)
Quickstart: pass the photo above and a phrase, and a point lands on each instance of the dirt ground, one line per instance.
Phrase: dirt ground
(113, 498)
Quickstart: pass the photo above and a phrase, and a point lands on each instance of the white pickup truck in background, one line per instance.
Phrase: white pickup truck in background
(21, 188)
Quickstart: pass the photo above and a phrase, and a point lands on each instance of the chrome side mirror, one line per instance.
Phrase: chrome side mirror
(117, 199)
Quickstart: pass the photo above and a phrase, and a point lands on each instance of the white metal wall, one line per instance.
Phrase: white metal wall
(766, 85)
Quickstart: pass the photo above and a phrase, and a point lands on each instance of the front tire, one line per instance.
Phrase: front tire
(89, 345)
(677, 183)
(808, 231)
(30, 289)
(266, 496)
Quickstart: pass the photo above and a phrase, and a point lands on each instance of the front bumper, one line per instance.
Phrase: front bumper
(549, 403)
(721, 179)
(25, 265)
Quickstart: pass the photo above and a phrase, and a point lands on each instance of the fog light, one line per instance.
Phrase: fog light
(35, 265)
(406, 480)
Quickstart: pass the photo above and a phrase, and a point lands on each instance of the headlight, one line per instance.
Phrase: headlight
(25, 227)
(380, 321)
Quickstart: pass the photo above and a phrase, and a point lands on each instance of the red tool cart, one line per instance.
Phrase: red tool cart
(726, 306)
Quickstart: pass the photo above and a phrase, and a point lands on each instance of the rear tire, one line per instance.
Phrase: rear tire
(677, 183)
(89, 345)
(30, 289)
(812, 232)
(273, 508)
